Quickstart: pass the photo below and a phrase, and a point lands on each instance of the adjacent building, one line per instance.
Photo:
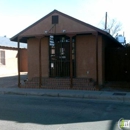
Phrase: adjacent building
(8, 57)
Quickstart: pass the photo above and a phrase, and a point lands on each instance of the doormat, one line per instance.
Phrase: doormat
(120, 94)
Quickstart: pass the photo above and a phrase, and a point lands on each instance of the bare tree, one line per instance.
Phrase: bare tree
(114, 26)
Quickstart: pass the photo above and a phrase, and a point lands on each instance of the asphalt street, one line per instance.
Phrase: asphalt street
(54, 113)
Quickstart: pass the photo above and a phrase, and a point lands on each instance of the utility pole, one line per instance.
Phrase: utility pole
(106, 21)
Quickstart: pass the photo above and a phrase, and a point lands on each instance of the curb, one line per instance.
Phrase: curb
(84, 95)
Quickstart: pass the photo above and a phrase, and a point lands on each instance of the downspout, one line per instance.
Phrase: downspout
(19, 63)
(40, 73)
(71, 66)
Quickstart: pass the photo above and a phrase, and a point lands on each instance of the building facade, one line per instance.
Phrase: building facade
(64, 52)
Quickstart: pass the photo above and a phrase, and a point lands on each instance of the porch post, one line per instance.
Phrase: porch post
(97, 59)
(71, 64)
(19, 63)
(40, 73)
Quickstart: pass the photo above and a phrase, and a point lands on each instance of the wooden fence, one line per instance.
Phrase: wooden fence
(117, 64)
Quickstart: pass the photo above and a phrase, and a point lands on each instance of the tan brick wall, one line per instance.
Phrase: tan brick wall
(45, 57)
(86, 57)
(33, 57)
(33, 66)
(23, 60)
(85, 54)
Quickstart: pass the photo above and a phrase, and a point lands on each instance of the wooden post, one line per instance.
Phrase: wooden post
(71, 64)
(19, 63)
(97, 59)
(40, 73)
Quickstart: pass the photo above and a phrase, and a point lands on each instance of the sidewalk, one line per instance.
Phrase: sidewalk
(99, 95)
(8, 85)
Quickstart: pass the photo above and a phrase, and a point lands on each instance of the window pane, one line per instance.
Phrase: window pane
(2, 57)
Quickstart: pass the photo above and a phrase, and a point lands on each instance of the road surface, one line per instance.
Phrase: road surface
(51, 113)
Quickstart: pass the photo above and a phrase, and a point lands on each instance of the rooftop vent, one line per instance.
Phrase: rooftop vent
(55, 19)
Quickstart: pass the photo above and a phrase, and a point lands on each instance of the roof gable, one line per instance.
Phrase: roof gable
(66, 22)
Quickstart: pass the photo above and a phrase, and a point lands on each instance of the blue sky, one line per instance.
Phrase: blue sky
(16, 15)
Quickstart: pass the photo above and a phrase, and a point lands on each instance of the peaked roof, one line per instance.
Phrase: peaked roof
(5, 42)
(41, 26)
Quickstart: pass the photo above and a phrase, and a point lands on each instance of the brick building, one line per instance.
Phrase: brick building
(64, 52)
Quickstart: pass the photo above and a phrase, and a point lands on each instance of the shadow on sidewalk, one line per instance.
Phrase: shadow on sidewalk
(11, 81)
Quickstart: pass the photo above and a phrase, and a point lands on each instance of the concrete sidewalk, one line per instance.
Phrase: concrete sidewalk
(100, 95)
(8, 85)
